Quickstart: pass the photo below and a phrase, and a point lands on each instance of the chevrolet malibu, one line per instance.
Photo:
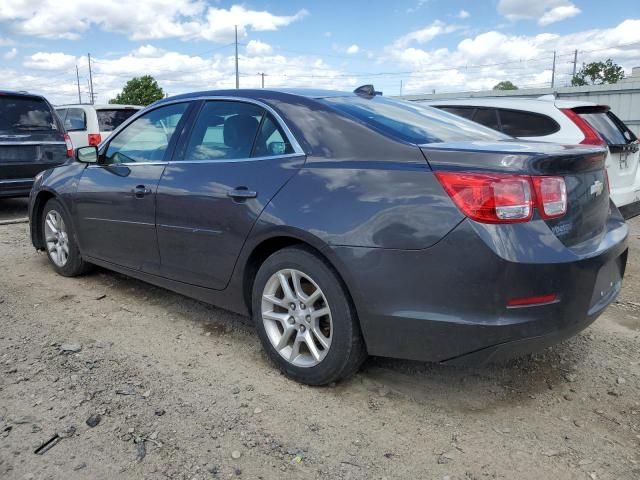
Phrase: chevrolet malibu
(345, 224)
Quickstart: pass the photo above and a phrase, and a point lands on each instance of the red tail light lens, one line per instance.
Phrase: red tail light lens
(551, 195)
(535, 300)
(69, 143)
(490, 198)
(591, 136)
(94, 139)
(505, 198)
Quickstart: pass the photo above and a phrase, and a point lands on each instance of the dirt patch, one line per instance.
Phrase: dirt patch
(183, 390)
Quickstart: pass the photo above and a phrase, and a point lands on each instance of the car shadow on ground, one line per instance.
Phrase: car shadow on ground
(452, 388)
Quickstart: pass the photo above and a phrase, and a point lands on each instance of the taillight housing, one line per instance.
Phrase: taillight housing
(69, 144)
(591, 136)
(505, 198)
(551, 196)
(94, 139)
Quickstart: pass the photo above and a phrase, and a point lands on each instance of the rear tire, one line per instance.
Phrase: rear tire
(59, 240)
(305, 319)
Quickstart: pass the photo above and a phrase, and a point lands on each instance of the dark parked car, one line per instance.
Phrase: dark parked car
(32, 139)
(345, 224)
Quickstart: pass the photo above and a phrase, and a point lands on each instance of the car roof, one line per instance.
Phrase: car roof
(262, 94)
(21, 93)
(511, 102)
(104, 106)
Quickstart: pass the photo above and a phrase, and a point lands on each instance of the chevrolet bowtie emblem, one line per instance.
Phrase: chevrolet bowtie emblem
(596, 188)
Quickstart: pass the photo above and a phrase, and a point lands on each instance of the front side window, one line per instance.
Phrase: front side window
(146, 139)
(224, 130)
(411, 122)
(75, 120)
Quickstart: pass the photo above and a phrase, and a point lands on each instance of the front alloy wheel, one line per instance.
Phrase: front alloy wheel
(57, 238)
(297, 318)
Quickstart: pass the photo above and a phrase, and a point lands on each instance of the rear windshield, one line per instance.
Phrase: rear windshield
(411, 122)
(606, 126)
(109, 120)
(25, 114)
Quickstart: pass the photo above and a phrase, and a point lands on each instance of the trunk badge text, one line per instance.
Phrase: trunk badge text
(596, 188)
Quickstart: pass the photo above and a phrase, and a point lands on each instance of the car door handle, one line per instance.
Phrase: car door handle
(241, 193)
(140, 191)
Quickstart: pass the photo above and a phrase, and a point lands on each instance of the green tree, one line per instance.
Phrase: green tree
(505, 85)
(139, 91)
(598, 73)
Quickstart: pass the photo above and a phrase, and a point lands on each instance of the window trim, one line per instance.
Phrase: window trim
(298, 151)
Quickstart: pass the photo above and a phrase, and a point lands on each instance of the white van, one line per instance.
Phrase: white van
(91, 124)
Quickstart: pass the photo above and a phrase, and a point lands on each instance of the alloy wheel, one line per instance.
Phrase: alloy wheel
(57, 239)
(297, 318)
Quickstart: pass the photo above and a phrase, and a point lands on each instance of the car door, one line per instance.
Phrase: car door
(75, 124)
(238, 155)
(115, 200)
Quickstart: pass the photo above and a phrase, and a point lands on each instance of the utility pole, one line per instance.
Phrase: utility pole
(237, 75)
(553, 70)
(575, 62)
(400, 87)
(90, 79)
(78, 80)
(262, 75)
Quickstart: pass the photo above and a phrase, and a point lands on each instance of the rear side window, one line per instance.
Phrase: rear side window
(410, 122)
(75, 120)
(109, 120)
(224, 130)
(465, 112)
(271, 140)
(25, 114)
(606, 127)
(487, 117)
(526, 124)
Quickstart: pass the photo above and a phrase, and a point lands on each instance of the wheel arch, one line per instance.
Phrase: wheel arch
(39, 202)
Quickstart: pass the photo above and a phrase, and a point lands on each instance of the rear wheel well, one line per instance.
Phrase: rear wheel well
(38, 207)
(268, 248)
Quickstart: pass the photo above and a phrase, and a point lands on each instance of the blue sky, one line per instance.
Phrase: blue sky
(446, 45)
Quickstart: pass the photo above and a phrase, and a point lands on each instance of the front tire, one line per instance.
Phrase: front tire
(305, 319)
(59, 240)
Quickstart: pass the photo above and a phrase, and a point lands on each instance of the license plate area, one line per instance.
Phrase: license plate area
(19, 153)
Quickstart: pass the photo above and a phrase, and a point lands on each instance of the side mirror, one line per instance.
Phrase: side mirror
(87, 154)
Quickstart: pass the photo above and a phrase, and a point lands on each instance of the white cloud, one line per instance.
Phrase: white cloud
(11, 54)
(425, 34)
(327, 34)
(148, 19)
(5, 42)
(50, 61)
(256, 48)
(558, 14)
(525, 60)
(544, 11)
(463, 14)
(353, 49)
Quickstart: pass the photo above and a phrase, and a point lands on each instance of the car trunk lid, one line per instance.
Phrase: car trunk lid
(581, 167)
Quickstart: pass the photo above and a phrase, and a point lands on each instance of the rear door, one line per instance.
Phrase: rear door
(237, 157)
(75, 123)
(31, 140)
(116, 199)
(623, 162)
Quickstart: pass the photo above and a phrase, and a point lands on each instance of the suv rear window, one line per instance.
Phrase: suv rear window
(25, 114)
(411, 122)
(604, 123)
(109, 120)
(526, 124)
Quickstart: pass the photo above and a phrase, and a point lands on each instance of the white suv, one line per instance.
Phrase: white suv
(90, 124)
(547, 119)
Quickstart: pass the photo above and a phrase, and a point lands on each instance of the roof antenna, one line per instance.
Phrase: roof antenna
(366, 91)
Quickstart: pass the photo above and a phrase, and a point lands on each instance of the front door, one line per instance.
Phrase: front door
(236, 158)
(116, 198)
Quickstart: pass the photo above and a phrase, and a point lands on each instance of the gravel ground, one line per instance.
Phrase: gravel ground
(103, 376)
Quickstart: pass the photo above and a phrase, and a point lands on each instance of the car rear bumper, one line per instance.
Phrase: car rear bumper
(448, 303)
(19, 187)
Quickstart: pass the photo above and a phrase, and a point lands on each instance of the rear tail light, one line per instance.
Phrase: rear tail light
(94, 139)
(505, 198)
(69, 144)
(591, 136)
(551, 195)
(530, 301)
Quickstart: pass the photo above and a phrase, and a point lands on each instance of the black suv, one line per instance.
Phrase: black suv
(32, 139)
